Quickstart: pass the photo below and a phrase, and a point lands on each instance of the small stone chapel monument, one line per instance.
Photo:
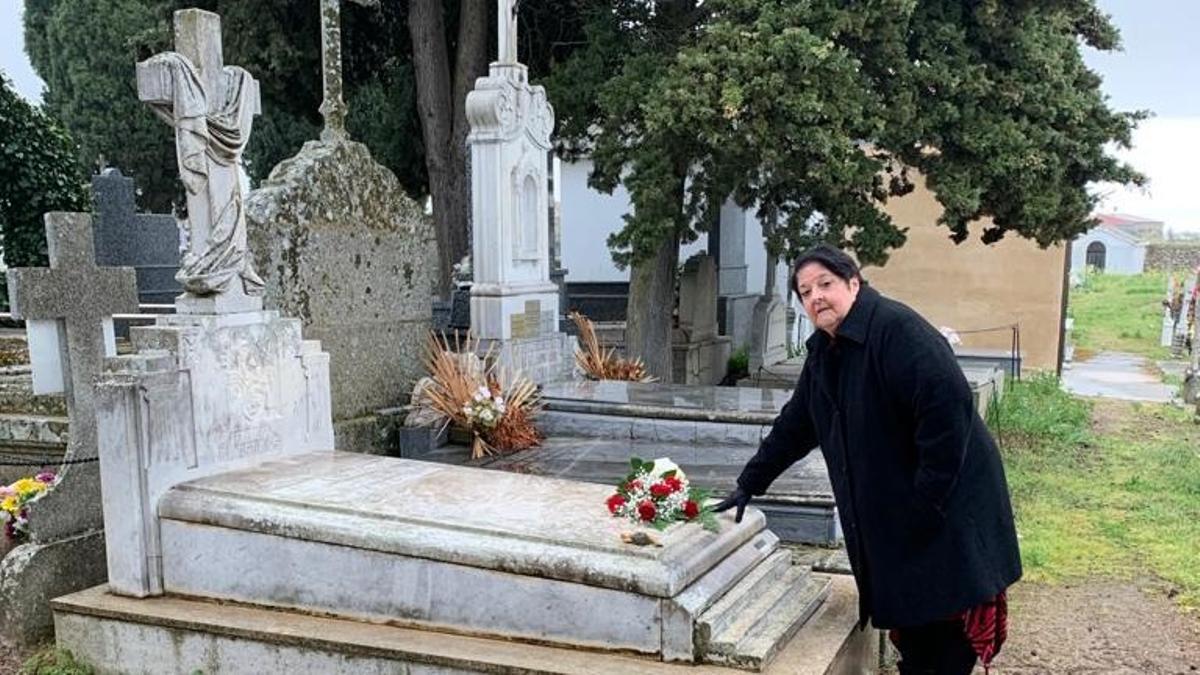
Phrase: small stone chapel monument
(514, 304)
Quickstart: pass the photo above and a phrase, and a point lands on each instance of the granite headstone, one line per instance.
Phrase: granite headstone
(147, 242)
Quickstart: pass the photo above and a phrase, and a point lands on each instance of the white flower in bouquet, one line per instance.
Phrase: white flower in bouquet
(663, 465)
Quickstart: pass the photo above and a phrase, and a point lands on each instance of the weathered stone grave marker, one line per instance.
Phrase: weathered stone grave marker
(343, 249)
(68, 308)
(699, 354)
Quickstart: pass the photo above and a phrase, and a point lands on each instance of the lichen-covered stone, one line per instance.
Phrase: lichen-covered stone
(342, 248)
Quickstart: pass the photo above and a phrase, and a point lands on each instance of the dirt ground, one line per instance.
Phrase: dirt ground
(10, 660)
(1097, 627)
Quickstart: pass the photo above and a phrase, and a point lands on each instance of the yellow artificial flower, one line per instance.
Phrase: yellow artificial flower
(9, 504)
(29, 486)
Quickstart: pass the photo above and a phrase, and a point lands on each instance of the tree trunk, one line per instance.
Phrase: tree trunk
(769, 228)
(648, 320)
(441, 105)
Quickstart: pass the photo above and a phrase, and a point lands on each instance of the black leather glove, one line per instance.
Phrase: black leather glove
(925, 521)
(739, 498)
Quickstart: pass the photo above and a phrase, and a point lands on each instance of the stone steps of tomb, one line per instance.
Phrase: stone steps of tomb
(30, 443)
(732, 605)
(18, 402)
(33, 431)
(758, 616)
(17, 397)
(240, 639)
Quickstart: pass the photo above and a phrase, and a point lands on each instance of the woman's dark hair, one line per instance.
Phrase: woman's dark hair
(841, 265)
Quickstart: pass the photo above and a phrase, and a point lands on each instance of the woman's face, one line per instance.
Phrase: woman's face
(826, 297)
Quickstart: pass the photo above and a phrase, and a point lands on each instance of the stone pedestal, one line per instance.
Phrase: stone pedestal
(543, 359)
(511, 122)
(203, 394)
(35, 573)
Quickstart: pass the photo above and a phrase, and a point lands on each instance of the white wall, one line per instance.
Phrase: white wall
(1121, 256)
(589, 216)
(756, 259)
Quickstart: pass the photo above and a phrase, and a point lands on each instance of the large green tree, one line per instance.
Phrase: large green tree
(85, 51)
(817, 111)
(91, 86)
(38, 173)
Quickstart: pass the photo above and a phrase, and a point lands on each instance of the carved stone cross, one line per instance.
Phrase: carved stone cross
(211, 107)
(333, 107)
(506, 30)
(68, 308)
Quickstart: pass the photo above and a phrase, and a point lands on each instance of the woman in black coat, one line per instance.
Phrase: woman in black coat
(917, 478)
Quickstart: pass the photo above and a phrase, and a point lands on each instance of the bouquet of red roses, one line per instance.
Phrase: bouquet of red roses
(657, 493)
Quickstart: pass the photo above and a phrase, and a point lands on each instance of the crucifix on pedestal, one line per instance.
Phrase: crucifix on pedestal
(211, 106)
(512, 297)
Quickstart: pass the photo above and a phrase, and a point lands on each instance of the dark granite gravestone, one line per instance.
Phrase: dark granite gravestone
(460, 308)
(147, 242)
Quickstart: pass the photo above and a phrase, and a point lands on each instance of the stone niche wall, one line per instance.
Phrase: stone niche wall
(342, 248)
(1181, 256)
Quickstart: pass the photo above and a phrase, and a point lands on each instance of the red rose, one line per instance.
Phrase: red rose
(615, 502)
(674, 483)
(647, 510)
(691, 509)
(660, 489)
(633, 486)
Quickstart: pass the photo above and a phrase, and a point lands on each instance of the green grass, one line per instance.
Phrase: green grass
(1119, 313)
(1121, 500)
(53, 661)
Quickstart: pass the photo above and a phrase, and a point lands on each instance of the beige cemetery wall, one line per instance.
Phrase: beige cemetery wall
(971, 286)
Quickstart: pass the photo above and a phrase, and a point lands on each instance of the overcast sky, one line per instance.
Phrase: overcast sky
(1156, 72)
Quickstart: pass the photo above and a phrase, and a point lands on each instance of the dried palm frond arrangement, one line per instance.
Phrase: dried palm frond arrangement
(599, 363)
(494, 405)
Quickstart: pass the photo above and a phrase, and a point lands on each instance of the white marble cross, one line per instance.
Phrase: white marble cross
(506, 30)
(333, 107)
(68, 308)
(211, 107)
